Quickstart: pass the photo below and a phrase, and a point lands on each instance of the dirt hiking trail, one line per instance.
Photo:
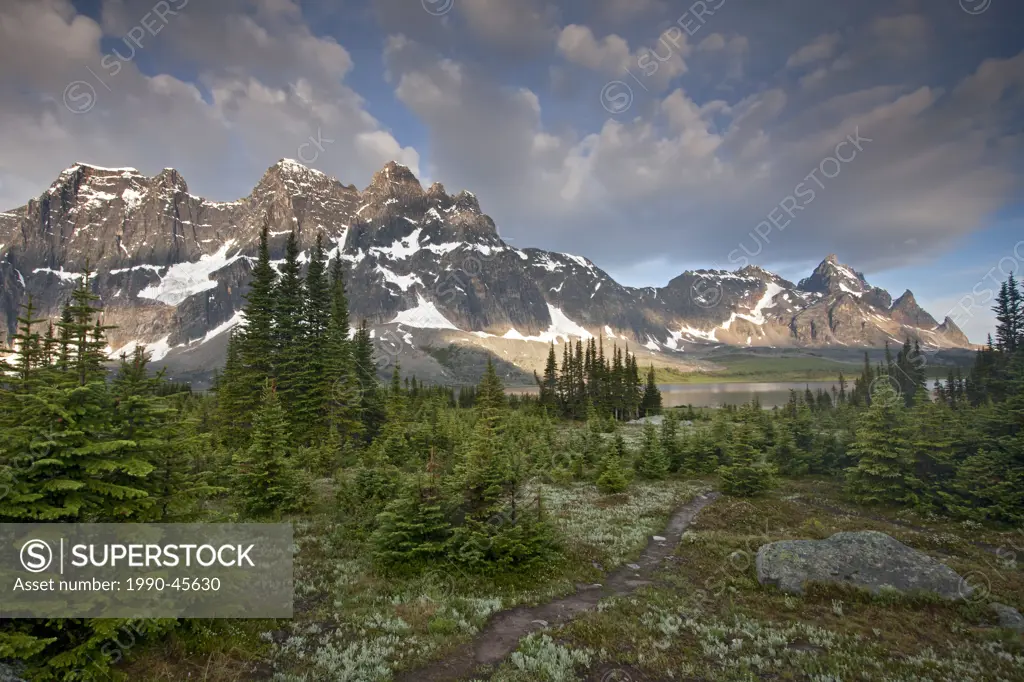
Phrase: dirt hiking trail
(501, 635)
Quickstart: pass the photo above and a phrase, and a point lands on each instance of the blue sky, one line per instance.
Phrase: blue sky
(650, 136)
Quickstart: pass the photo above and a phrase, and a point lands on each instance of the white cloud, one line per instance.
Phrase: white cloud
(821, 48)
(611, 55)
(524, 24)
(691, 178)
(241, 113)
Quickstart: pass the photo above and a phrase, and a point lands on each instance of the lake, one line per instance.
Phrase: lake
(737, 393)
(728, 393)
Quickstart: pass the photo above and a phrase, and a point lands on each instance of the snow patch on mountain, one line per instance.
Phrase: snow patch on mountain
(561, 327)
(402, 248)
(424, 316)
(403, 282)
(236, 319)
(157, 350)
(132, 198)
(63, 276)
(756, 315)
(184, 280)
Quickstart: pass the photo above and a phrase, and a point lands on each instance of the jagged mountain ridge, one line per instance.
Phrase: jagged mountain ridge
(171, 268)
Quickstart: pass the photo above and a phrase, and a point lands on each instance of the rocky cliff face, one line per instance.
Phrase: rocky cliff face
(171, 269)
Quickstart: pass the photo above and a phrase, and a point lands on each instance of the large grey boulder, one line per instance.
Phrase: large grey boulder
(866, 559)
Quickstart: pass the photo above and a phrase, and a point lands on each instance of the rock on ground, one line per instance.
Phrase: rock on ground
(656, 419)
(1009, 617)
(866, 559)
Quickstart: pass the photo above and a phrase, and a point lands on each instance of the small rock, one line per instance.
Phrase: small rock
(542, 623)
(1009, 617)
(9, 674)
(658, 538)
(634, 567)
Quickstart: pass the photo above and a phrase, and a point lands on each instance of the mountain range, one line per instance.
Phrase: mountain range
(427, 269)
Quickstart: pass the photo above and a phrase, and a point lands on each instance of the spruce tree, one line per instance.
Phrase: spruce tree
(310, 403)
(651, 401)
(670, 440)
(343, 388)
(413, 529)
(29, 344)
(652, 464)
(787, 458)
(74, 461)
(549, 384)
(230, 385)
(255, 339)
(613, 478)
(746, 475)
(371, 406)
(930, 438)
(266, 485)
(884, 473)
(289, 335)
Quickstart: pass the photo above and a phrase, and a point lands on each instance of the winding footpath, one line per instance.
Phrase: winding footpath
(501, 635)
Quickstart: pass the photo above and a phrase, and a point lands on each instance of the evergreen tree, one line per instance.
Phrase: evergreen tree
(746, 475)
(310, 403)
(670, 440)
(29, 343)
(653, 464)
(884, 473)
(371, 405)
(930, 440)
(990, 483)
(265, 483)
(784, 454)
(73, 461)
(169, 440)
(343, 386)
(255, 340)
(651, 402)
(230, 386)
(549, 384)
(613, 478)
(289, 337)
(412, 529)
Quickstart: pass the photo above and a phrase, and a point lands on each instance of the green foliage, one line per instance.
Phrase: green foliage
(413, 529)
(884, 472)
(266, 483)
(613, 478)
(746, 475)
(652, 463)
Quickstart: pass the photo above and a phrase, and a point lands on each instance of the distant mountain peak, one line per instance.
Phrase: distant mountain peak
(832, 277)
(905, 299)
(953, 333)
(906, 311)
(394, 178)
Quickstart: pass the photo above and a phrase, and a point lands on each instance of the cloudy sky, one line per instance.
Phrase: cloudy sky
(648, 135)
